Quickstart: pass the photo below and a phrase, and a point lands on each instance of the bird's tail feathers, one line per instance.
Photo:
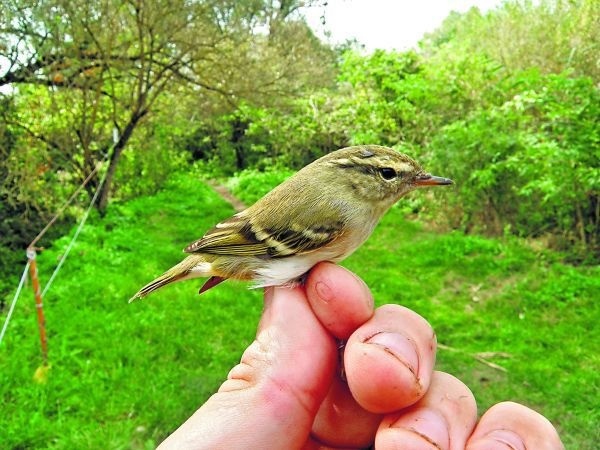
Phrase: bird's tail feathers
(181, 271)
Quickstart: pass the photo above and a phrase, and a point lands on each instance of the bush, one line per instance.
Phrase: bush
(251, 184)
(531, 164)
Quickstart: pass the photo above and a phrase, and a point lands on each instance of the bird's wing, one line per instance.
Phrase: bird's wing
(240, 236)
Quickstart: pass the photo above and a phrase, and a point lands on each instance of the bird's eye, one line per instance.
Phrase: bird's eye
(387, 173)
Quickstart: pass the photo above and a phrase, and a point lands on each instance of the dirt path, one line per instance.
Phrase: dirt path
(226, 195)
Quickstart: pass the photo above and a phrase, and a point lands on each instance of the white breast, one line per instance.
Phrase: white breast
(286, 271)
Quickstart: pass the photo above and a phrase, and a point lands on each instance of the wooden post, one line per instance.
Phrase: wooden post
(33, 273)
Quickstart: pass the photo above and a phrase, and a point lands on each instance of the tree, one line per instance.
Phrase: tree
(104, 66)
(552, 35)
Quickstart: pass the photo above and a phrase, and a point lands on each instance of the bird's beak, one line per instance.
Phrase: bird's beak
(426, 179)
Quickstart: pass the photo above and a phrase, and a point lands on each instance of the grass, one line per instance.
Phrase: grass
(123, 376)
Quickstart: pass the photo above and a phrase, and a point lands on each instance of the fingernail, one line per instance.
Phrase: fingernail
(399, 346)
(323, 291)
(428, 425)
(507, 437)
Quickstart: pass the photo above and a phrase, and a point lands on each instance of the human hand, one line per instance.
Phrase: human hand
(286, 393)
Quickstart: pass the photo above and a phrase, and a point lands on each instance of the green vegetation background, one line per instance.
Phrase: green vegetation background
(504, 264)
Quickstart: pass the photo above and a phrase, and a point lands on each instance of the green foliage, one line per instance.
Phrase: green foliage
(378, 106)
(125, 376)
(531, 163)
(92, 82)
(256, 137)
(251, 184)
(156, 158)
(552, 35)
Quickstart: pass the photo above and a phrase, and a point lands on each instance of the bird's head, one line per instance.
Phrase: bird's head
(379, 175)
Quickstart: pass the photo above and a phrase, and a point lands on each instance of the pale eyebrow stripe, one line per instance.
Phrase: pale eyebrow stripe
(354, 164)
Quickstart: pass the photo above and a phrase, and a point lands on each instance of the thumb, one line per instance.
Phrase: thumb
(270, 398)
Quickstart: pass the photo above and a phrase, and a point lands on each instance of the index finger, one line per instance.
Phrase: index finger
(341, 301)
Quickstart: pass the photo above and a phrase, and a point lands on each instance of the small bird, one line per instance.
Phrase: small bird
(322, 213)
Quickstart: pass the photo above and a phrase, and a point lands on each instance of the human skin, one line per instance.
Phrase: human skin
(287, 392)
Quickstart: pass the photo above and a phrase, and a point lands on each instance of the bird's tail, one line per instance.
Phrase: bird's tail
(181, 271)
